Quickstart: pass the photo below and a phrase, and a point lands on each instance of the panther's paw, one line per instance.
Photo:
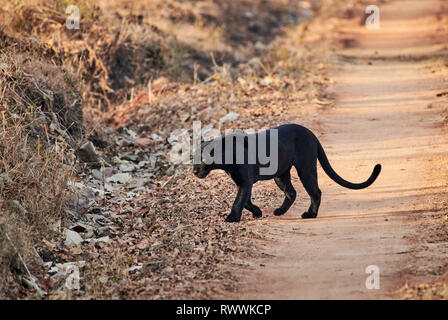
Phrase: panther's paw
(279, 212)
(307, 215)
(257, 214)
(232, 218)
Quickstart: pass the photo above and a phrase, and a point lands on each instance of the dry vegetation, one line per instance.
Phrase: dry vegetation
(145, 68)
(133, 70)
(432, 232)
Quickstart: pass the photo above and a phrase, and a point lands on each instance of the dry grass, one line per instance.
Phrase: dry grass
(121, 46)
(432, 232)
(33, 192)
(32, 86)
(40, 121)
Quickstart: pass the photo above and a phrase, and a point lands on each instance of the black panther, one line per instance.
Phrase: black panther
(297, 146)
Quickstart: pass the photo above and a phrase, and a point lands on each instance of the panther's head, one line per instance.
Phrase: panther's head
(202, 169)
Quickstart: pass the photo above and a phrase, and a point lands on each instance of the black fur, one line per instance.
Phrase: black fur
(298, 147)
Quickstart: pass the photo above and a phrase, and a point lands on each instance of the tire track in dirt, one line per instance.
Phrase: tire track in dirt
(383, 88)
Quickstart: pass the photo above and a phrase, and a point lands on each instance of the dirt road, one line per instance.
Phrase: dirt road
(386, 111)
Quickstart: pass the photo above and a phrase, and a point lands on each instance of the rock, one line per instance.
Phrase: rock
(136, 183)
(88, 154)
(108, 172)
(97, 174)
(131, 133)
(156, 137)
(95, 194)
(122, 178)
(142, 164)
(153, 161)
(88, 192)
(126, 168)
(108, 188)
(85, 230)
(144, 142)
(102, 231)
(105, 239)
(123, 142)
(139, 189)
(53, 270)
(129, 156)
(72, 238)
(231, 116)
(79, 203)
(99, 219)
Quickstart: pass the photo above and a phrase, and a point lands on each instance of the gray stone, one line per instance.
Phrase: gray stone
(72, 238)
(97, 174)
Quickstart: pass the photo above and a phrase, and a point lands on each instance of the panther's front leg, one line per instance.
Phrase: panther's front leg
(241, 199)
(256, 211)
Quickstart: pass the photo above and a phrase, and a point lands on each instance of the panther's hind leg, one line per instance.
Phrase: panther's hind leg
(308, 176)
(256, 211)
(284, 183)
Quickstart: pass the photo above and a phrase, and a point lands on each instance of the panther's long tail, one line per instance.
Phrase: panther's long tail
(336, 178)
